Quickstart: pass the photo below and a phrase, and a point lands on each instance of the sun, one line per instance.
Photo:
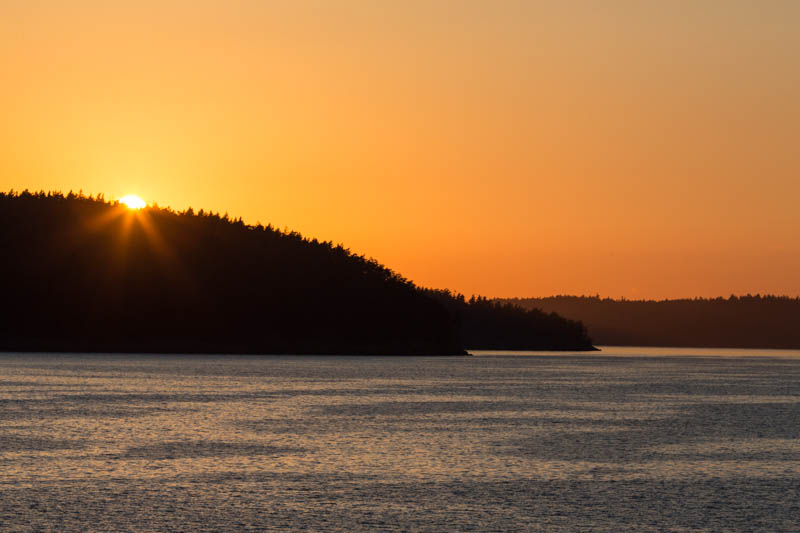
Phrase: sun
(132, 202)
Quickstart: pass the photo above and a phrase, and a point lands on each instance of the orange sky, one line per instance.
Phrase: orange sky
(509, 148)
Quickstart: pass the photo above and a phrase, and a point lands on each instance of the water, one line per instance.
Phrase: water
(626, 439)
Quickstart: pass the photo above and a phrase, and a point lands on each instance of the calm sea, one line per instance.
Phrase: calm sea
(633, 439)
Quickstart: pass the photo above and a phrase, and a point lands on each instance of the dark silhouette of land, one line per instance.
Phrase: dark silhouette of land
(734, 322)
(494, 325)
(81, 274)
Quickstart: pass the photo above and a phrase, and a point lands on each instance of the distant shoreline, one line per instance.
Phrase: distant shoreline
(746, 322)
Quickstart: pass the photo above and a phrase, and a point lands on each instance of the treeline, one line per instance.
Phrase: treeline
(83, 274)
(486, 324)
(735, 322)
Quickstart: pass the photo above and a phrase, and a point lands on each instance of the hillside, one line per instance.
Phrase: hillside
(82, 274)
(491, 325)
(735, 322)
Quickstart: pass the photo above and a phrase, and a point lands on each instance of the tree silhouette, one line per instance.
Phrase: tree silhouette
(82, 274)
(750, 321)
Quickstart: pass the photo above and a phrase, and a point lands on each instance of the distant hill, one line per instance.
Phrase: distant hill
(82, 274)
(735, 322)
(491, 325)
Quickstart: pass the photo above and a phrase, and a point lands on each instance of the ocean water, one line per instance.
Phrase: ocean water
(632, 439)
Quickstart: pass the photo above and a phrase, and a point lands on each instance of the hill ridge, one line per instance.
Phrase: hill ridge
(84, 274)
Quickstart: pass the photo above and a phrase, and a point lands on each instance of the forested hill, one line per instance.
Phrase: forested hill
(488, 325)
(735, 322)
(82, 274)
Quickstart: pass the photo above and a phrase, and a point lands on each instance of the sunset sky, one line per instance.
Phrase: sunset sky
(508, 148)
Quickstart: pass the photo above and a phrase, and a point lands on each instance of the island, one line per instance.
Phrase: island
(82, 274)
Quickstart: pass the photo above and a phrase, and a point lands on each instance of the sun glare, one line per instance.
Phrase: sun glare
(132, 202)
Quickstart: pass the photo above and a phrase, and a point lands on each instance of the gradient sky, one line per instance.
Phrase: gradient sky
(508, 148)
